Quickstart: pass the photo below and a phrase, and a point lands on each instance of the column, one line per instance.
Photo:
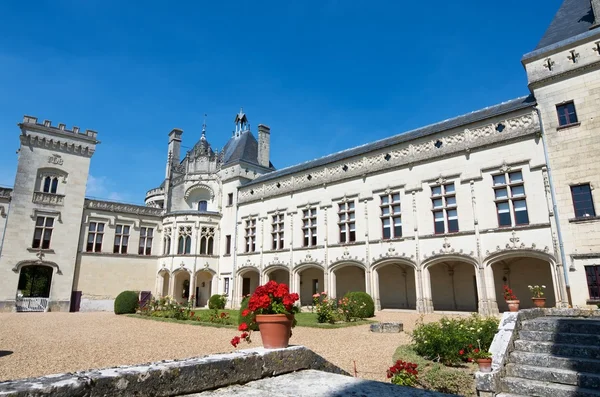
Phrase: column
(375, 285)
(332, 281)
(171, 284)
(490, 288)
(192, 289)
(427, 296)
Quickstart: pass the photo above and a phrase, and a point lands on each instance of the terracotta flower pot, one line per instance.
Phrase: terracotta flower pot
(275, 329)
(485, 364)
(539, 302)
(513, 306)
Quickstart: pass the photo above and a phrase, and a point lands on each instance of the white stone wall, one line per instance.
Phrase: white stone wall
(572, 150)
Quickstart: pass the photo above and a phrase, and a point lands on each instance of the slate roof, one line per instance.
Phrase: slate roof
(573, 17)
(502, 108)
(241, 148)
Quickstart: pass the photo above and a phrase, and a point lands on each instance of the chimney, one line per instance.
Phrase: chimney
(264, 144)
(596, 10)
(175, 144)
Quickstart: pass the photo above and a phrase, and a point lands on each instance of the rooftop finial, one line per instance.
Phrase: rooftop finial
(241, 122)
(203, 137)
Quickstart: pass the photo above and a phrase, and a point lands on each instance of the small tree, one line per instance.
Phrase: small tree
(126, 302)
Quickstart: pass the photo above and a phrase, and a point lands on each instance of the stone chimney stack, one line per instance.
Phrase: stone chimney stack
(175, 144)
(264, 144)
(596, 9)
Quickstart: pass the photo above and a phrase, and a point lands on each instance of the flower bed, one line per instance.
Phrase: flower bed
(355, 306)
(169, 308)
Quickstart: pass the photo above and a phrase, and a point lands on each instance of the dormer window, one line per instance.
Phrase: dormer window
(202, 205)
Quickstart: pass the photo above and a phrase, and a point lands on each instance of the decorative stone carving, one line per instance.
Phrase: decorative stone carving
(48, 198)
(126, 208)
(55, 159)
(200, 186)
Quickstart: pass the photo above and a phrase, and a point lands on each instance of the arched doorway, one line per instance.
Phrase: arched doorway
(518, 272)
(203, 288)
(166, 278)
(280, 276)
(397, 286)
(249, 280)
(181, 291)
(33, 289)
(349, 278)
(453, 285)
(311, 281)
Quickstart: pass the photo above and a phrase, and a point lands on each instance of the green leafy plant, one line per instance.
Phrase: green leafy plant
(126, 302)
(217, 302)
(403, 373)
(537, 291)
(325, 308)
(361, 305)
(443, 340)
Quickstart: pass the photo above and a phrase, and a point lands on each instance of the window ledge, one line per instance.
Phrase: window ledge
(585, 219)
(593, 301)
(44, 250)
(346, 244)
(562, 127)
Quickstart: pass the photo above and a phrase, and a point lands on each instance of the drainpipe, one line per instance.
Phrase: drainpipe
(234, 253)
(555, 208)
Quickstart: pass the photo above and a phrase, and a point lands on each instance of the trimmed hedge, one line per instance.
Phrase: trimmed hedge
(363, 306)
(217, 302)
(126, 302)
(248, 319)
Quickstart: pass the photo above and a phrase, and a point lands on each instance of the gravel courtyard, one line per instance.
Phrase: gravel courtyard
(34, 344)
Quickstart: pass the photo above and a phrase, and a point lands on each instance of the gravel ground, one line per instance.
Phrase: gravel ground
(35, 344)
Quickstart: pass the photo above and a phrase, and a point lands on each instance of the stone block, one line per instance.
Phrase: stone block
(387, 327)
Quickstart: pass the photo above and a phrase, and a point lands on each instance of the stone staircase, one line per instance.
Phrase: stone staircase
(554, 357)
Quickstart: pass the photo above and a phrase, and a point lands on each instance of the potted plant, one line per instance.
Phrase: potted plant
(538, 292)
(482, 357)
(272, 307)
(511, 299)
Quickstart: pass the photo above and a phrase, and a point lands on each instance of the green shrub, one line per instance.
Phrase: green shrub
(247, 319)
(126, 302)
(217, 302)
(443, 340)
(361, 305)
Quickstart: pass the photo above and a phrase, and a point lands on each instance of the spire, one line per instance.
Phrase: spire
(241, 122)
(203, 137)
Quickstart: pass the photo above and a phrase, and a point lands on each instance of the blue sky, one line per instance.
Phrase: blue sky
(324, 75)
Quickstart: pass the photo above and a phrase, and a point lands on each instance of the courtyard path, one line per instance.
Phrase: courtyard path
(35, 344)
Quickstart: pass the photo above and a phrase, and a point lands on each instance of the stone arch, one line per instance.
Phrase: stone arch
(272, 268)
(309, 279)
(395, 283)
(347, 262)
(519, 268)
(197, 187)
(434, 259)
(348, 275)
(452, 282)
(165, 276)
(35, 280)
(393, 259)
(248, 278)
(20, 264)
(204, 286)
(181, 284)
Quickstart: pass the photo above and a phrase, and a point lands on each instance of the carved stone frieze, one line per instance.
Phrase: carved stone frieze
(48, 198)
(126, 208)
(65, 146)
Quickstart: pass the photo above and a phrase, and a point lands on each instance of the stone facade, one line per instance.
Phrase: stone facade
(436, 219)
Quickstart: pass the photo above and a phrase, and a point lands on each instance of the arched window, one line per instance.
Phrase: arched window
(47, 182)
(180, 244)
(54, 186)
(188, 244)
(210, 246)
(167, 243)
(203, 246)
(202, 205)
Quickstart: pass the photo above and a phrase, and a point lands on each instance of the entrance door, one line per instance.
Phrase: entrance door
(245, 286)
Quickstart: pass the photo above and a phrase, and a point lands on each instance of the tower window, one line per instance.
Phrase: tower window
(566, 114)
(202, 206)
(50, 184)
(43, 232)
(230, 199)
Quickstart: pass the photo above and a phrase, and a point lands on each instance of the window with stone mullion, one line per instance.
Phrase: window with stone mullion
(510, 198)
(146, 234)
(445, 213)
(95, 236)
(42, 234)
(391, 216)
(251, 235)
(277, 226)
(121, 239)
(347, 222)
(50, 184)
(309, 227)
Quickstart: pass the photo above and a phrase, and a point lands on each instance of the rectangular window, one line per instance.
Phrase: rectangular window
(445, 214)
(509, 195)
(277, 231)
(251, 235)
(146, 234)
(582, 201)
(391, 218)
(226, 285)
(592, 273)
(230, 199)
(566, 114)
(95, 235)
(309, 227)
(121, 239)
(43, 232)
(228, 244)
(347, 222)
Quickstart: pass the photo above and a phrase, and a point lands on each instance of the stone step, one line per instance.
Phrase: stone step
(565, 337)
(558, 349)
(564, 376)
(549, 361)
(536, 388)
(561, 324)
(509, 395)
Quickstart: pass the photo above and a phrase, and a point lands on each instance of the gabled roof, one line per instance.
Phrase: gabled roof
(242, 147)
(573, 17)
(502, 108)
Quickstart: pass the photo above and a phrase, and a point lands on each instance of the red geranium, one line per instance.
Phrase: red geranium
(271, 298)
(508, 294)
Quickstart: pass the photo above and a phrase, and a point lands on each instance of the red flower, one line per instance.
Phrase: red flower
(470, 346)
(243, 327)
(192, 314)
(245, 313)
(476, 351)
(461, 352)
(244, 335)
(235, 341)
(469, 359)
(223, 315)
